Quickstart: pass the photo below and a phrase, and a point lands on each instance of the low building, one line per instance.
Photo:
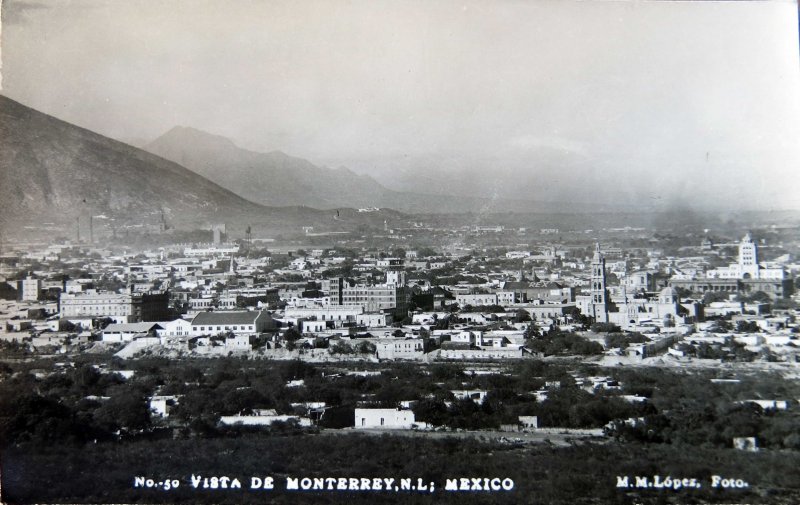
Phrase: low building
(263, 417)
(390, 419)
(240, 342)
(400, 349)
(175, 329)
(236, 322)
(476, 395)
(128, 331)
(160, 406)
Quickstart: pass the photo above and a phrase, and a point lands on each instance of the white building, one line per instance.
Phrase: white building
(263, 417)
(393, 419)
(748, 266)
(176, 328)
(127, 331)
(237, 322)
(400, 349)
(161, 405)
(31, 288)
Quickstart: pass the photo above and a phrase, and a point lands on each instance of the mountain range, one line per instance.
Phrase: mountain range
(278, 179)
(55, 172)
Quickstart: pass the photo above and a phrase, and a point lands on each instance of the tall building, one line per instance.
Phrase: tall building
(393, 297)
(599, 294)
(31, 288)
(121, 307)
(748, 258)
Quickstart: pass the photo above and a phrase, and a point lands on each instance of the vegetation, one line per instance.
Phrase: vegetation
(557, 342)
(63, 426)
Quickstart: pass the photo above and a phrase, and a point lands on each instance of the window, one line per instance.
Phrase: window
(381, 421)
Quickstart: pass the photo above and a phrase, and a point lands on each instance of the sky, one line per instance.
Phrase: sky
(659, 103)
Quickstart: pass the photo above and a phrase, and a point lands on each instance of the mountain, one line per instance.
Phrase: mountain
(272, 178)
(276, 179)
(54, 172)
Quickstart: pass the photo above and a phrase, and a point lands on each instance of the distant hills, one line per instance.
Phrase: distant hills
(55, 172)
(274, 178)
(277, 179)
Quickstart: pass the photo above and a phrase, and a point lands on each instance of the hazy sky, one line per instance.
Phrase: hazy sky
(661, 101)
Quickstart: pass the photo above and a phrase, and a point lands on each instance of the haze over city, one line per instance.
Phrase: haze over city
(654, 104)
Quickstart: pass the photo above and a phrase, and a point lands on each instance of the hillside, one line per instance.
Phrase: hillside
(53, 173)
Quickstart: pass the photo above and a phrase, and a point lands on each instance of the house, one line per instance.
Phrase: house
(746, 444)
(476, 395)
(127, 331)
(400, 348)
(241, 342)
(161, 405)
(390, 419)
(175, 329)
(236, 322)
(262, 417)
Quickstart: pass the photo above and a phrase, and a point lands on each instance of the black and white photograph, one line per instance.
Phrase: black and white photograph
(399, 251)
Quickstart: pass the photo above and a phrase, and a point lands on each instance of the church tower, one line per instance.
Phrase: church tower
(599, 294)
(748, 258)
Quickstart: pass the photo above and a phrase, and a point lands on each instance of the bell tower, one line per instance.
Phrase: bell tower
(599, 294)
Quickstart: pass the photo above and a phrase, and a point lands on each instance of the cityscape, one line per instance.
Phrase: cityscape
(189, 314)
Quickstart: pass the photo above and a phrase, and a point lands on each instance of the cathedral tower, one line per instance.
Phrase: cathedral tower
(599, 294)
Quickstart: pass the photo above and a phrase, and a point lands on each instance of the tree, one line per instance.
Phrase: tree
(757, 297)
(124, 411)
(522, 316)
(341, 348)
(366, 347)
(747, 327)
(721, 326)
(605, 328)
(710, 297)
(292, 335)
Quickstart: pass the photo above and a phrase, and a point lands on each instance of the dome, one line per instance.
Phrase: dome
(668, 295)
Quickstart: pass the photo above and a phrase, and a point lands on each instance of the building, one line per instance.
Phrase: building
(121, 307)
(126, 332)
(236, 322)
(748, 267)
(175, 329)
(160, 406)
(597, 308)
(31, 288)
(626, 310)
(263, 417)
(395, 419)
(746, 276)
(393, 298)
(400, 348)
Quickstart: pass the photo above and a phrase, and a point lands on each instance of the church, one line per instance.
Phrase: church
(628, 310)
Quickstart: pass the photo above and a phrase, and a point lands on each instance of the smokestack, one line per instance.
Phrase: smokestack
(91, 229)
(78, 228)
